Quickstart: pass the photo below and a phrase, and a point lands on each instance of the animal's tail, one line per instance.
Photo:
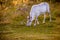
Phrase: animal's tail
(47, 7)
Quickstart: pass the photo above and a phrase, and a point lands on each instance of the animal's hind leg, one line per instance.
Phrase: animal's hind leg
(50, 15)
(44, 18)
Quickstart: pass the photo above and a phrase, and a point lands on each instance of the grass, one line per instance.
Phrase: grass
(17, 31)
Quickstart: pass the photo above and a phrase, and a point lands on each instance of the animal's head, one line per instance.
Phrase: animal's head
(28, 20)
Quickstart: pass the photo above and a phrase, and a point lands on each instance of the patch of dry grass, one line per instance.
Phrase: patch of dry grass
(14, 30)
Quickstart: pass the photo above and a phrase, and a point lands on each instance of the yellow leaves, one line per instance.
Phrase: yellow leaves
(25, 1)
(15, 2)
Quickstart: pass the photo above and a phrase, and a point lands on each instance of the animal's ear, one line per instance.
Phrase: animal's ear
(27, 17)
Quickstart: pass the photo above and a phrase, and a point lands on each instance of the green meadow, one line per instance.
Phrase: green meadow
(13, 25)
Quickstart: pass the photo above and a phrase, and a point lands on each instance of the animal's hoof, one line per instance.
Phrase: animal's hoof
(50, 21)
(37, 22)
(34, 24)
(27, 25)
(43, 22)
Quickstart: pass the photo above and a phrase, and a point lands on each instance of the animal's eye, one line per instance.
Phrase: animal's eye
(29, 20)
(30, 17)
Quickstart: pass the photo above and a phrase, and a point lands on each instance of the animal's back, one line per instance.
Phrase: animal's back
(42, 7)
(39, 8)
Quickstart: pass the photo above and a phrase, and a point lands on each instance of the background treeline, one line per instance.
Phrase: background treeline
(6, 4)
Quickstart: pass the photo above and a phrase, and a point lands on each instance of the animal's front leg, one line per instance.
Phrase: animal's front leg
(35, 22)
(44, 18)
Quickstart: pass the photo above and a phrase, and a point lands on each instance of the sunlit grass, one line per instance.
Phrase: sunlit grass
(17, 29)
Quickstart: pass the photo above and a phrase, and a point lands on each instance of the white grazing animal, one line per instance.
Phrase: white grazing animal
(36, 10)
